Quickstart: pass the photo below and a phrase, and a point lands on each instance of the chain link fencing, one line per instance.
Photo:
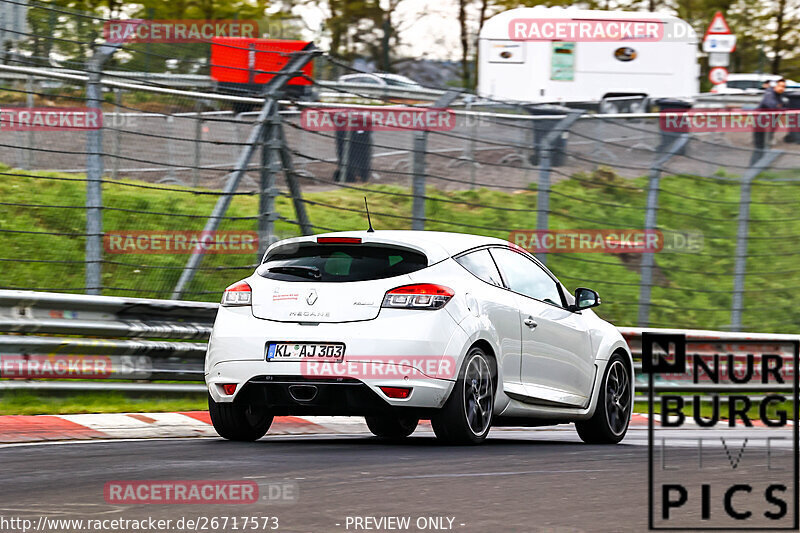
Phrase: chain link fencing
(174, 162)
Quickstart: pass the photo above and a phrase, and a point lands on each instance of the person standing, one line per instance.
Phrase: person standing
(771, 101)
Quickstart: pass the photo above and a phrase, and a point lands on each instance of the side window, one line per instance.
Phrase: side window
(368, 80)
(480, 263)
(526, 277)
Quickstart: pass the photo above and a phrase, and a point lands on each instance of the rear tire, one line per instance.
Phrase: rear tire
(467, 415)
(612, 415)
(391, 427)
(239, 420)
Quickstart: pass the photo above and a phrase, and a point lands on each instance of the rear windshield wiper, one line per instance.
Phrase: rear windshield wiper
(297, 270)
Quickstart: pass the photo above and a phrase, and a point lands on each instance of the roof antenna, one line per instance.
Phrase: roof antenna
(370, 230)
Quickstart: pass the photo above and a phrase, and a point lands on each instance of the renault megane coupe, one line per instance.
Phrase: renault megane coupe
(468, 332)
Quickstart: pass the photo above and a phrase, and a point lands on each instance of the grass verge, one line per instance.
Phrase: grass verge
(19, 402)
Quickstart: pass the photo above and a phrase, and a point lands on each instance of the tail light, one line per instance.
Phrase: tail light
(400, 393)
(418, 296)
(239, 293)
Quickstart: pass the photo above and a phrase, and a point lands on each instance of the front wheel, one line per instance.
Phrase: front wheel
(390, 427)
(239, 420)
(467, 415)
(610, 421)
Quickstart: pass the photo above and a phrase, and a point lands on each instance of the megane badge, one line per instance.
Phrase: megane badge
(312, 297)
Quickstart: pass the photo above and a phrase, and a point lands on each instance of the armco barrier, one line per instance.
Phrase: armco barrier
(141, 339)
(150, 340)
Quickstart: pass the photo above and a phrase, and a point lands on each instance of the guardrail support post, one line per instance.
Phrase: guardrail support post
(740, 266)
(543, 189)
(650, 223)
(419, 147)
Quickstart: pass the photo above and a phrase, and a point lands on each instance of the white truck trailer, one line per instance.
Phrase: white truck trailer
(586, 56)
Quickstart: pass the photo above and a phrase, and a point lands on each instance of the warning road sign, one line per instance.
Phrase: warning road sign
(718, 25)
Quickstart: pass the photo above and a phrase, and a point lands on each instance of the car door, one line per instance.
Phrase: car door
(557, 362)
(488, 298)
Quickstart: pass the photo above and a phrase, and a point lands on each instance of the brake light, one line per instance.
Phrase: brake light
(397, 392)
(229, 388)
(418, 296)
(338, 240)
(239, 293)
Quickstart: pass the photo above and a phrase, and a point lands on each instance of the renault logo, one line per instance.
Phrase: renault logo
(312, 297)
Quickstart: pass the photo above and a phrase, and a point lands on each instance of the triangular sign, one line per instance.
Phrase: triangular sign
(718, 25)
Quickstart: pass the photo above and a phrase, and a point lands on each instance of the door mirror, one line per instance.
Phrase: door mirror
(586, 298)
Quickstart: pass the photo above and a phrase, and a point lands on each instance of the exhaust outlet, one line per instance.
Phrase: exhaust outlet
(303, 393)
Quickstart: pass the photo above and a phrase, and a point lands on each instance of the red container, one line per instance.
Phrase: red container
(243, 60)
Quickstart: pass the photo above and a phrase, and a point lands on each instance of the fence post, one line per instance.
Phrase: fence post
(267, 192)
(418, 183)
(198, 138)
(294, 185)
(94, 172)
(740, 266)
(289, 70)
(543, 189)
(168, 129)
(344, 171)
(419, 146)
(29, 140)
(650, 223)
(117, 127)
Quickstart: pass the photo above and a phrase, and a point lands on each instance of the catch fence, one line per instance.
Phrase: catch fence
(94, 210)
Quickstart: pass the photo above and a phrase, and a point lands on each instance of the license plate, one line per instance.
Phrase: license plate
(332, 352)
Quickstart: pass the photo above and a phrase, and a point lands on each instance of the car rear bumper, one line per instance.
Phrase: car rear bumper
(420, 350)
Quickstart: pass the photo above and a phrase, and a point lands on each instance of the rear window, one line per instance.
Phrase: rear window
(341, 262)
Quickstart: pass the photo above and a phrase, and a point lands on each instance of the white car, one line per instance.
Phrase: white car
(398, 326)
(748, 83)
(380, 79)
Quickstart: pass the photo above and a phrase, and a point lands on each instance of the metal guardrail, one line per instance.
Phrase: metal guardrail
(138, 338)
(335, 90)
(329, 91)
(166, 79)
(727, 100)
(149, 340)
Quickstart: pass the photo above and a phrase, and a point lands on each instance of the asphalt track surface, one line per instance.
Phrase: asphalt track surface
(541, 480)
